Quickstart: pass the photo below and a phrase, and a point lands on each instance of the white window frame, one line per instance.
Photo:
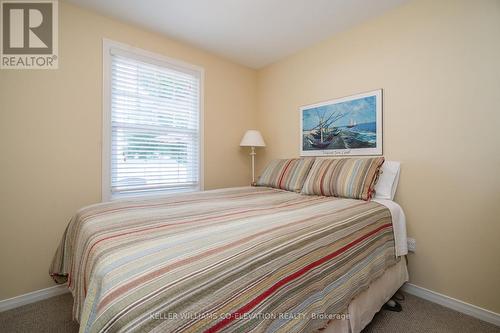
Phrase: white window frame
(160, 60)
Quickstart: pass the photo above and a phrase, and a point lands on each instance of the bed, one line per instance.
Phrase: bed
(245, 259)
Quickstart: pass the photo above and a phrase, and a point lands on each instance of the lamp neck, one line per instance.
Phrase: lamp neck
(253, 153)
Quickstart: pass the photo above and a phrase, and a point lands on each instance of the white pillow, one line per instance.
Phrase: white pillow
(388, 180)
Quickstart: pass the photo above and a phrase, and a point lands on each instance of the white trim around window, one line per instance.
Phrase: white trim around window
(111, 48)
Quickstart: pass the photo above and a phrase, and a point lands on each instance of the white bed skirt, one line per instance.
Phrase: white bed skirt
(364, 306)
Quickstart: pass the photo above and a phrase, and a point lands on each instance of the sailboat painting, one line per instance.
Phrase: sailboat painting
(344, 126)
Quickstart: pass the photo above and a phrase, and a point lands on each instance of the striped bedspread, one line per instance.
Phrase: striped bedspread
(247, 259)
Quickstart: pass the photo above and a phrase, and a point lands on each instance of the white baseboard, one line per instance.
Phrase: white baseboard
(453, 303)
(35, 296)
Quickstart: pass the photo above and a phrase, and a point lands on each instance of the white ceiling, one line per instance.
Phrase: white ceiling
(254, 33)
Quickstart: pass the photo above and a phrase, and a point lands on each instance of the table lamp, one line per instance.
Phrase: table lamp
(252, 138)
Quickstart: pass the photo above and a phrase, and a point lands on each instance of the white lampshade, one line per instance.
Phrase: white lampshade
(252, 138)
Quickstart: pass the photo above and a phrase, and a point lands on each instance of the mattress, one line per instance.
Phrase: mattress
(250, 259)
(368, 302)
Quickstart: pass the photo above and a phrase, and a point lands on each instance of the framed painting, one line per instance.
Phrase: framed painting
(349, 125)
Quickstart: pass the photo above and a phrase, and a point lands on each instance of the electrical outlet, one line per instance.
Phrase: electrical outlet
(412, 244)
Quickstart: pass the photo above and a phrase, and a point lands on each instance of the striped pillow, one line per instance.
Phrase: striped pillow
(352, 178)
(286, 174)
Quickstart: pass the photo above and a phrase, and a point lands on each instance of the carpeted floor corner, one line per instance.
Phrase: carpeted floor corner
(51, 315)
(418, 316)
(421, 316)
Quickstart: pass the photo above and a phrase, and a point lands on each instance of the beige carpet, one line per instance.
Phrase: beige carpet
(418, 315)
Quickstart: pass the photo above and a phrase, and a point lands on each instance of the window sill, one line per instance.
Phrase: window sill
(152, 195)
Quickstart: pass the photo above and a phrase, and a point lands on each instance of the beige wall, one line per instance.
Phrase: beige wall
(439, 65)
(50, 138)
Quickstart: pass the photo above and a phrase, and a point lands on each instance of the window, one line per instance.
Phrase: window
(152, 113)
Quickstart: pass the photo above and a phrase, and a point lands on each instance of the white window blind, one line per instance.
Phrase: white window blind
(155, 136)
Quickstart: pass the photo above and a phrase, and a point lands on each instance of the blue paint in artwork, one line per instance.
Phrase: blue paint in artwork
(362, 110)
(367, 127)
(350, 124)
